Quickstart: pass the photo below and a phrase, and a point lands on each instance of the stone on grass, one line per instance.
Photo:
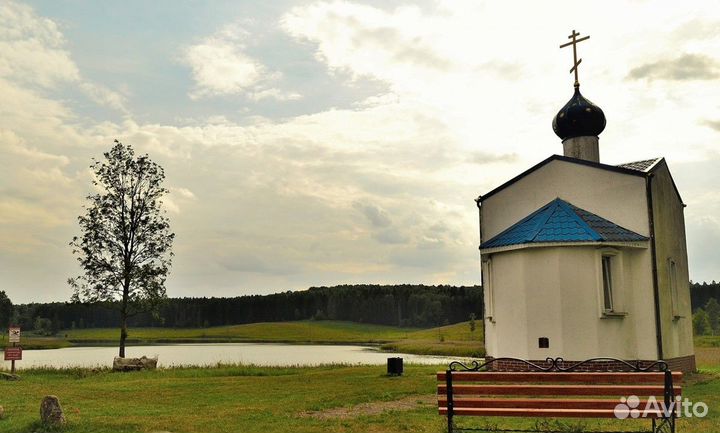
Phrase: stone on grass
(134, 364)
(51, 412)
(8, 376)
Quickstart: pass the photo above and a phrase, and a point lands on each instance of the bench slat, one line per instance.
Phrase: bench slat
(536, 403)
(610, 390)
(527, 377)
(554, 413)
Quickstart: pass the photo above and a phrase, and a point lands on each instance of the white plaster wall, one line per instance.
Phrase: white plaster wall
(670, 242)
(503, 335)
(620, 198)
(554, 292)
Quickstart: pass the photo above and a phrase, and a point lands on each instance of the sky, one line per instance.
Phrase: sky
(330, 142)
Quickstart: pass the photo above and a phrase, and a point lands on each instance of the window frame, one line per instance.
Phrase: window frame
(673, 285)
(488, 289)
(614, 258)
(607, 283)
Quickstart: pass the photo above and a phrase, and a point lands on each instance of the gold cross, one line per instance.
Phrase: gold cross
(574, 43)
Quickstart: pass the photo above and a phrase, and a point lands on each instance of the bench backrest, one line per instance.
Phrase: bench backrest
(553, 394)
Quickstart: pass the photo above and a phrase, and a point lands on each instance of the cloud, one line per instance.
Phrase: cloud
(31, 48)
(714, 124)
(104, 96)
(364, 40)
(378, 189)
(377, 216)
(33, 55)
(184, 193)
(390, 236)
(481, 158)
(220, 66)
(685, 67)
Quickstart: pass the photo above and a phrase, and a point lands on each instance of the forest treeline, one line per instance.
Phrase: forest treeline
(399, 305)
(706, 308)
(701, 293)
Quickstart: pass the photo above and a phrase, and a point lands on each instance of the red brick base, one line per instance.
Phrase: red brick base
(686, 364)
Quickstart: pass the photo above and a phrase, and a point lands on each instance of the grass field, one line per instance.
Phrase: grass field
(454, 339)
(266, 400)
(308, 399)
(325, 331)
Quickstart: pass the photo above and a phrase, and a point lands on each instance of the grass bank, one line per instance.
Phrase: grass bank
(254, 399)
(451, 340)
(325, 331)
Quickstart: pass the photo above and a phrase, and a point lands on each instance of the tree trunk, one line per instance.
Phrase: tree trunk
(123, 317)
(123, 333)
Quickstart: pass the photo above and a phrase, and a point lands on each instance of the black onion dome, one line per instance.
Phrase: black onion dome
(579, 118)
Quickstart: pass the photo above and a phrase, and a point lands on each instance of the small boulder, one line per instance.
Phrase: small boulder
(8, 376)
(134, 364)
(51, 413)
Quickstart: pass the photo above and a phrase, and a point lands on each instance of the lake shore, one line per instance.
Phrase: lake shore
(451, 340)
(209, 355)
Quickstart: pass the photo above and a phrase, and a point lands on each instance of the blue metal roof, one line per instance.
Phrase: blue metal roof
(560, 221)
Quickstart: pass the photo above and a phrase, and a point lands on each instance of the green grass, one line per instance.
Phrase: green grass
(707, 341)
(30, 341)
(223, 399)
(452, 340)
(267, 400)
(325, 331)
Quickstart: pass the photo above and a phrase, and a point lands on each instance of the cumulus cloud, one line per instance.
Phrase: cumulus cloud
(686, 67)
(33, 54)
(32, 48)
(365, 40)
(377, 190)
(220, 66)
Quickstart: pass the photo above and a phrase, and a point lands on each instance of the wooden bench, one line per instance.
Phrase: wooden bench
(559, 391)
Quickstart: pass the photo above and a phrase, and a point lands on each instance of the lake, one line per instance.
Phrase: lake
(264, 354)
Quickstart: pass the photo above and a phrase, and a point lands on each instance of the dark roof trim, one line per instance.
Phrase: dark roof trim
(538, 166)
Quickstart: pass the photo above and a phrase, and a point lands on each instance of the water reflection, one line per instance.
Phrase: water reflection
(209, 354)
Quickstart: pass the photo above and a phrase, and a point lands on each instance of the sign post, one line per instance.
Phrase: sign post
(13, 353)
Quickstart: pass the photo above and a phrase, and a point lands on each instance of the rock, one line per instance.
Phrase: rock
(51, 412)
(2, 412)
(8, 376)
(134, 364)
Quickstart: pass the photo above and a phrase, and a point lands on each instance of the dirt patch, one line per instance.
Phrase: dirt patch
(373, 408)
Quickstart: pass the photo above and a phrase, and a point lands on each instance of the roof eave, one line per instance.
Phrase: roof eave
(619, 244)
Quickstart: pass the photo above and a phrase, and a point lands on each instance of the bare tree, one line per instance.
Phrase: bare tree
(125, 246)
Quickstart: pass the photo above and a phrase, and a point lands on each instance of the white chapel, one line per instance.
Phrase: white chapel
(582, 259)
